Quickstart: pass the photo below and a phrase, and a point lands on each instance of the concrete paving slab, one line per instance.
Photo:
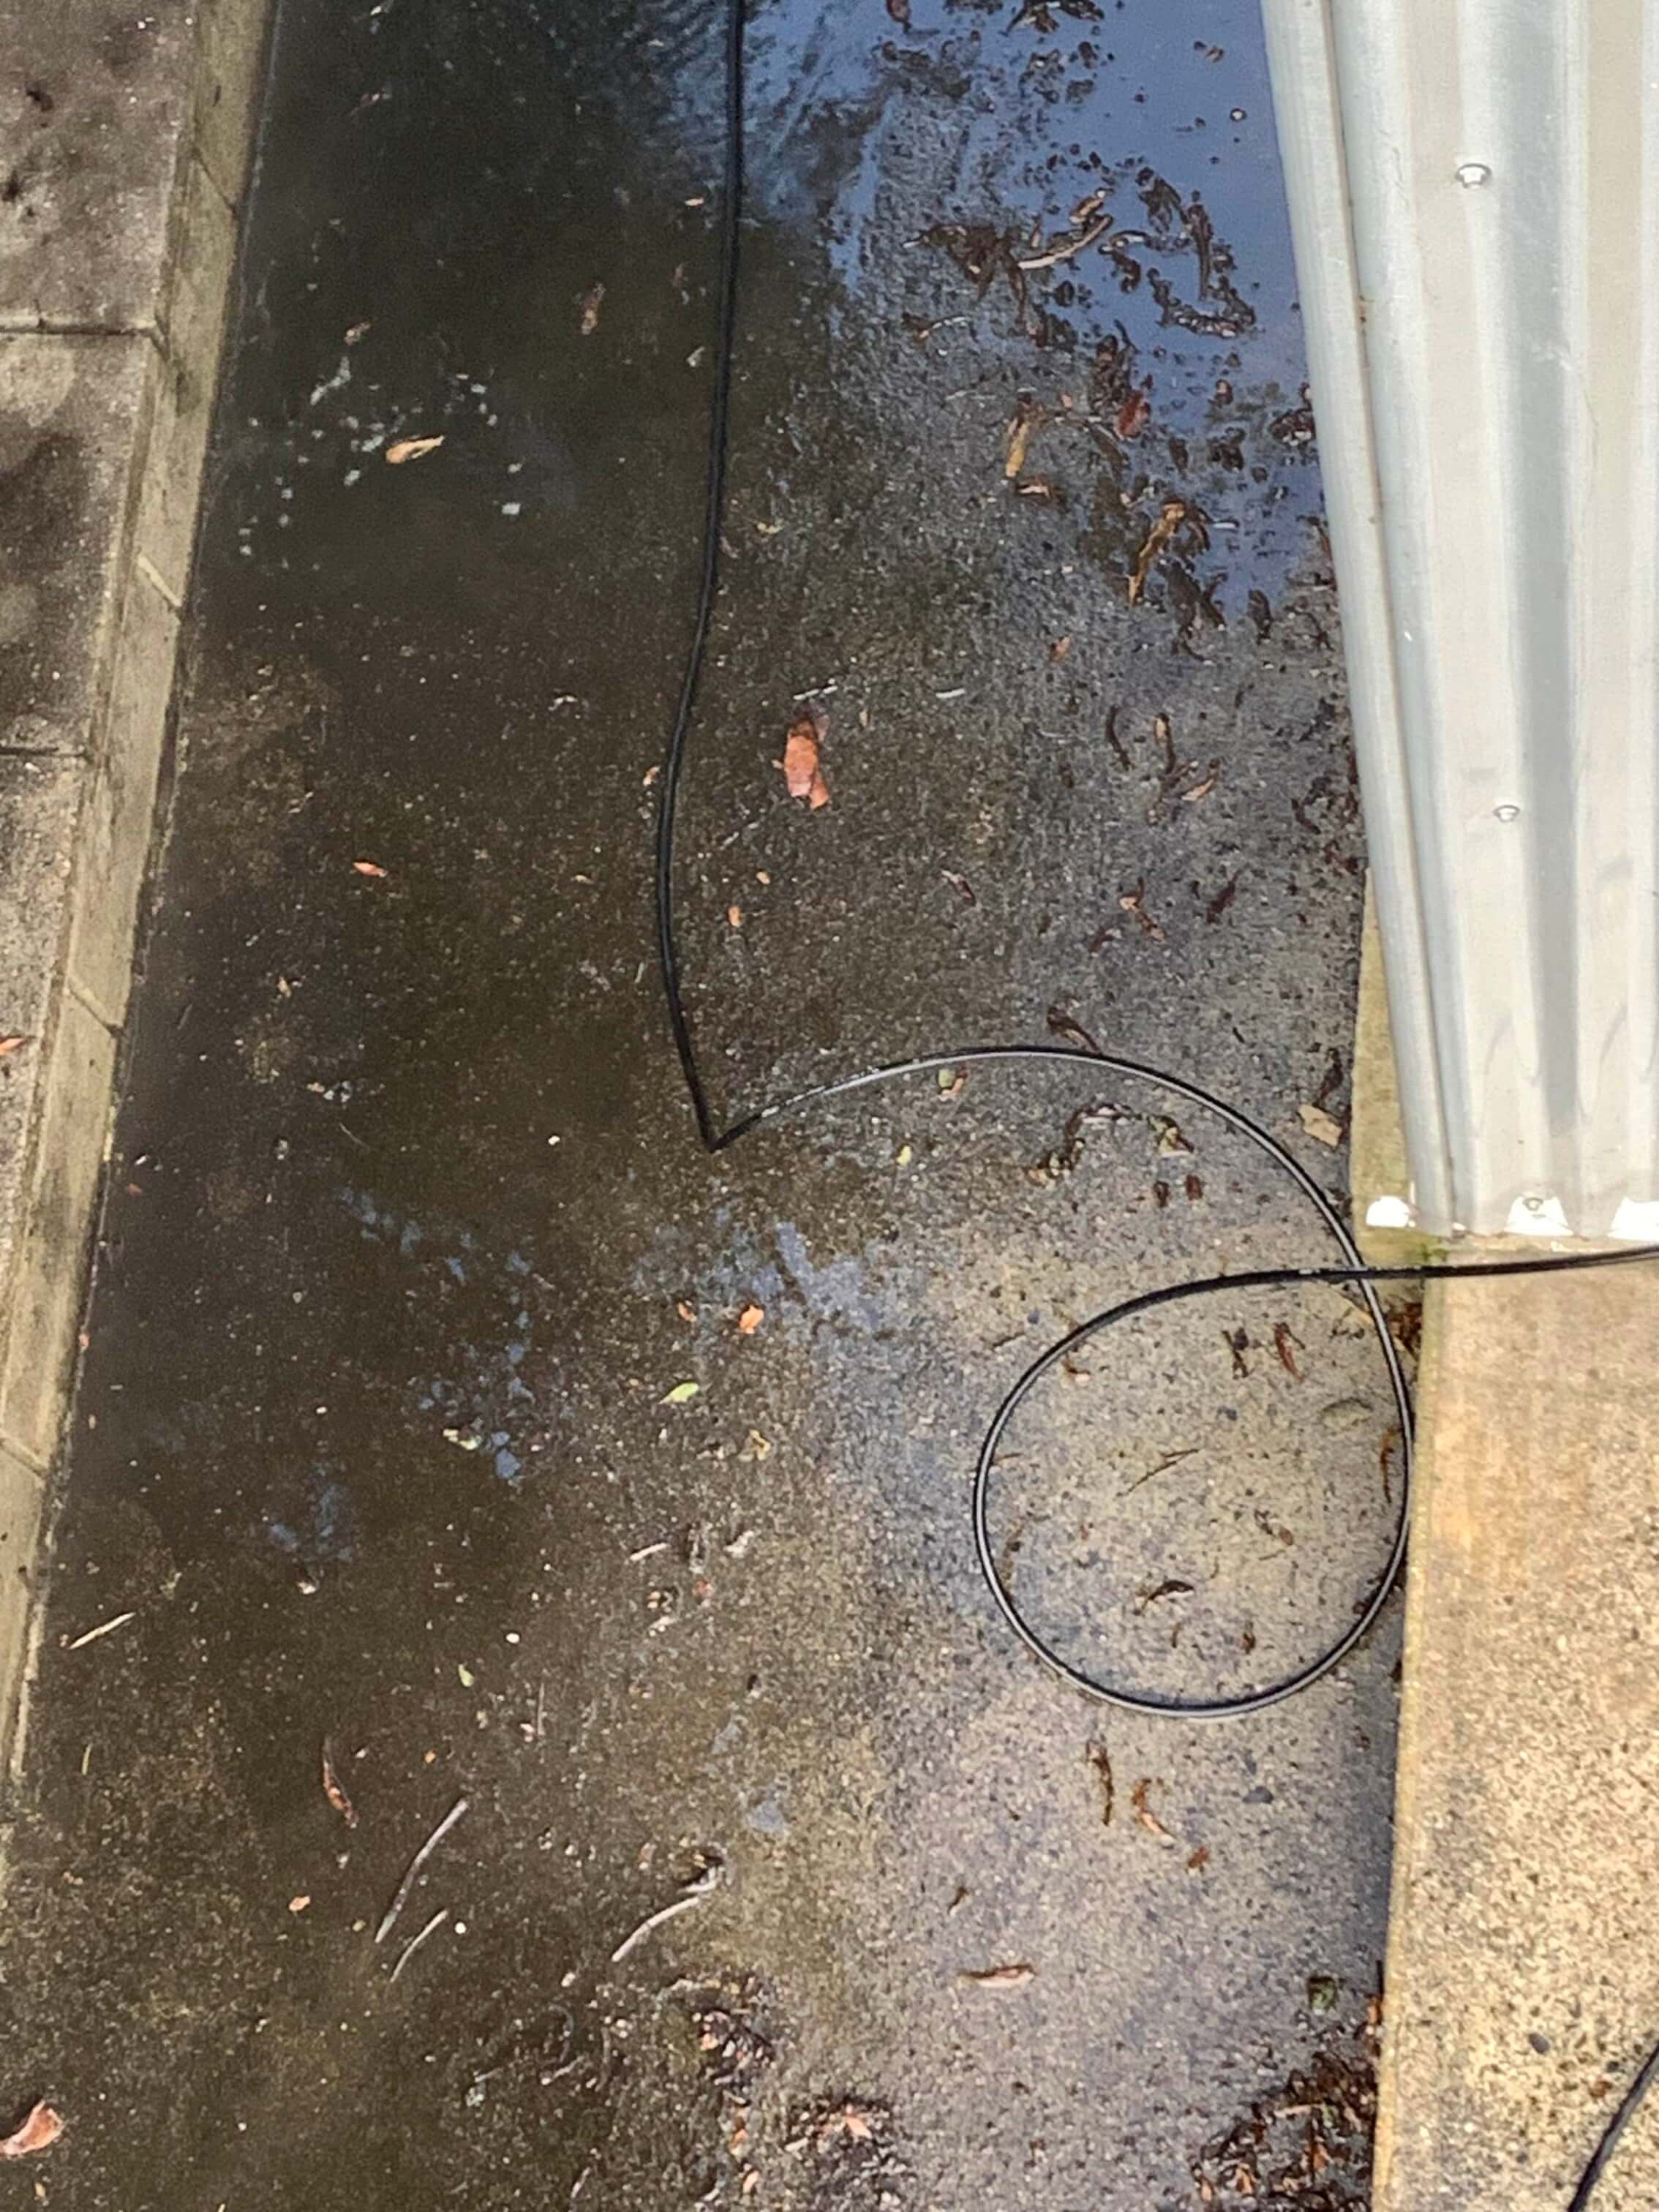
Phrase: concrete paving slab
(72, 415)
(1524, 1958)
(95, 107)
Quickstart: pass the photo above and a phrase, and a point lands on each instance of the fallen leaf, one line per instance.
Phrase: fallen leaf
(1058, 649)
(1282, 1341)
(1169, 1588)
(369, 867)
(803, 769)
(1323, 1991)
(998, 1978)
(1223, 898)
(298, 1904)
(1198, 1860)
(1101, 1760)
(900, 12)
(465, 1676)
(734, 916)
(1131, 902)
(12, 1043)
(952, 1082)
(592, 299)
(1133, 416)
(1025, 420)
(1169, 1134)
(756, 1447)
(411, 449)
(681, 1395)
(960, 884)
(1201, 791)
(685, 1309)
(335, 1793)
(1320, 1125)
(1143, 1813)
(1170, 521)
(38, 2131)
(357, 332)
(750, 1320)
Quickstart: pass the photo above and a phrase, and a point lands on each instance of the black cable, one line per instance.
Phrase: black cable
(715, 1139)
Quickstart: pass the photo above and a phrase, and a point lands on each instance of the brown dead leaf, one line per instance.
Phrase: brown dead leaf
(1143, 1813)
(1131, 902)
(734, 916)
(592, 299)
(900, 12)
(1101, 1760)
(998, 1978)
(1133, 416)
(751, 1319)
(369, 867)
(334, 1791)
(1198, 1860)
(13, 1044)
(685, 1309)
(1174, 514)
(411, 449)
(1059, 648)
(1284, 1339)
(298, 1904)
(1320, 1125)
(39, 2130)
(803, 768)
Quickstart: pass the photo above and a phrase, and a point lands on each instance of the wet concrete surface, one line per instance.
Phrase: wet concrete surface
(383, 1436)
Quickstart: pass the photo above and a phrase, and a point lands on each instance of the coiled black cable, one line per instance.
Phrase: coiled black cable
(1084, 1050)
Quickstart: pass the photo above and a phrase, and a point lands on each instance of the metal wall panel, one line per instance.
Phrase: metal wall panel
(1474, 195)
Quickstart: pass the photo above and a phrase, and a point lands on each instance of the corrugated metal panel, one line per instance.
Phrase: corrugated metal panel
(1475, 193)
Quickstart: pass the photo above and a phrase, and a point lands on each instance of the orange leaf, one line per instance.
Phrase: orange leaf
(750, 1320)
(334, 1791)
(38, 2132)
(410, 449)
(14, 1043)
(803, 771)
(369, 867)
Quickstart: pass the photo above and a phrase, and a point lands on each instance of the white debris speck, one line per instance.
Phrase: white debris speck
(338, 382)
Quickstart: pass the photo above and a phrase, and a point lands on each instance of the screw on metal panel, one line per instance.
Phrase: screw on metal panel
(1471, 173)
(1507, 812)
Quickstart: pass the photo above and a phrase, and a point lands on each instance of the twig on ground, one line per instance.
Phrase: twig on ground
(415, 1942)
(415, 1866)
